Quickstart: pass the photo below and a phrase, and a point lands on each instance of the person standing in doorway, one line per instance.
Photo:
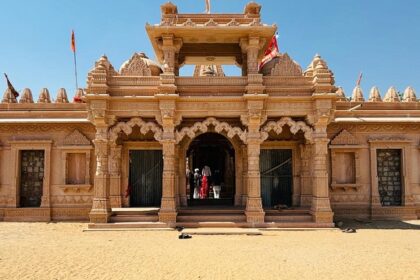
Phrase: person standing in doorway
(206, 173)
(196, 183)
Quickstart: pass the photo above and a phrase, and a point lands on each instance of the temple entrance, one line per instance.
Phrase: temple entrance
(389, 177)
(276, 177)
(145, 178)
(31, 178)
(210, 171)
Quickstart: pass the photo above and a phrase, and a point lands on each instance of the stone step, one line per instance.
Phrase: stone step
(134, 211)
(269, 212)
(134, 218)
(213, 224)
(210, 211)
(288, 218)
(128, 225)
(211, 218)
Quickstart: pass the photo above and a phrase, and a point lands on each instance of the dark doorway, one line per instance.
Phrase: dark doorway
(276, 177)
(215, 151)
(145, 177)
(31, 178)
(389, 177)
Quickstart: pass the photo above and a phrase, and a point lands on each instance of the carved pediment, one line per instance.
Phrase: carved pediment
(345, 138)
(76, 138)
(286, 66)
(136, 66)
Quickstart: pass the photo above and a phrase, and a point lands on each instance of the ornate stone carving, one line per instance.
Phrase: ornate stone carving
(392, 95)
(44, 96)
(76, 138)
(409, 95)
(357, 95)
(127, 128)
(295, 127)
(285, 66)
(136, 66)
(211, 22)
(233, 22)
(26, 96)
(340, 94)
(202, 127)
(189, 22)
(345, 138)
(62, 96)
(374, 95)
(9, 97)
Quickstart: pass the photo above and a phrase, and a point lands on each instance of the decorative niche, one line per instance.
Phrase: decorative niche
(76, 154)
(345, 162)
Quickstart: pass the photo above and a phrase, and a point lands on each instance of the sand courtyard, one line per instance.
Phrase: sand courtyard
(380, 250)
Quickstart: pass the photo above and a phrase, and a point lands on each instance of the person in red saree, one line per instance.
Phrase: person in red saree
(206, 173)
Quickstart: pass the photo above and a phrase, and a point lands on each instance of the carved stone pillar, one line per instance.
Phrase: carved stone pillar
(101, 208)
(254, 211)
(182, 187)
(239, 189)
(115, 176)
(170, 47)
(244, 174)
(320, 208)
(251, 47)
(167, 213)
(306, 180)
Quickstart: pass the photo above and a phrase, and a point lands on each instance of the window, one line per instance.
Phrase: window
(76, 169)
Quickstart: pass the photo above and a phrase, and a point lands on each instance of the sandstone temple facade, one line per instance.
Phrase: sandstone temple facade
(291, 148)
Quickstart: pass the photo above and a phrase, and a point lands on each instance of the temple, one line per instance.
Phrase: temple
(285, 147)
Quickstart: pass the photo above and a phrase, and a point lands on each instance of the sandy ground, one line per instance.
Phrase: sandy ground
(63, 251)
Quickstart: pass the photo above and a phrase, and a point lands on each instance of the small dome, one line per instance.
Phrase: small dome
(136, 64)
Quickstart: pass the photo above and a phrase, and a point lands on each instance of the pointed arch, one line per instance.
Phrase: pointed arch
(295, 127)
(203, 127)
(127, 128)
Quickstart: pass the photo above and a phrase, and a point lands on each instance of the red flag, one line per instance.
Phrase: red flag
(271, 52)
(10, 86)
(73, 41)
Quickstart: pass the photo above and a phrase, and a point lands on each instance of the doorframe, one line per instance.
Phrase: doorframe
(289, 145)
(16, 147)
(125, 165)
(406, 160)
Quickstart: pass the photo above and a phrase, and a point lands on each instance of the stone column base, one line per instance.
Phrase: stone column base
(322, 217)
(99, 216)
(254, 217)
(168, 217)
(115, 201)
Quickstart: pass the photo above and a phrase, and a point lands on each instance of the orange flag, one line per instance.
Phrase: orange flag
(73, 42)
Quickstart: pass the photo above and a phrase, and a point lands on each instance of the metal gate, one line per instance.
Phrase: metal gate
(389, 176)
(31, 178)
(276, 177)
(146, 167)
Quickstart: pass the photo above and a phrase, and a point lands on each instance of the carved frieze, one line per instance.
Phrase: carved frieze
(203, 127)
(295, 127)
(345, 138)
(285, 66)
(136, 66)
(76, 138)
(127, 128)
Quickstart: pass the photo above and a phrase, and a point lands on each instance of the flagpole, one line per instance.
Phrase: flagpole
(75, 69)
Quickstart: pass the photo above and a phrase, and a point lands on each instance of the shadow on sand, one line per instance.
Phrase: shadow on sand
(377, 224)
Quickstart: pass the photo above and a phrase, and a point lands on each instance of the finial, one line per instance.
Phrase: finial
(44, 96)
(357, 95)
(9, 97)
(26, 96)
(340, 94)
(62, 96)
(409, 95)
(374, 95)
(78, 96)
(392, 95)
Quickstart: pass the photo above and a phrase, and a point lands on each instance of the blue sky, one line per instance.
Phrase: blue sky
(381, 38)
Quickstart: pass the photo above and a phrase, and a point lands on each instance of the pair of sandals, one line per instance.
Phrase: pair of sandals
(349, 230)
(184, 236)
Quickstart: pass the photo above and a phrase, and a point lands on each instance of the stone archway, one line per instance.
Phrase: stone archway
(118, 165)
(236, 137)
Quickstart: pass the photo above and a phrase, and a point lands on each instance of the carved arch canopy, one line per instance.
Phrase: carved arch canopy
(127, 128)
(203, 127)
(295, 127)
